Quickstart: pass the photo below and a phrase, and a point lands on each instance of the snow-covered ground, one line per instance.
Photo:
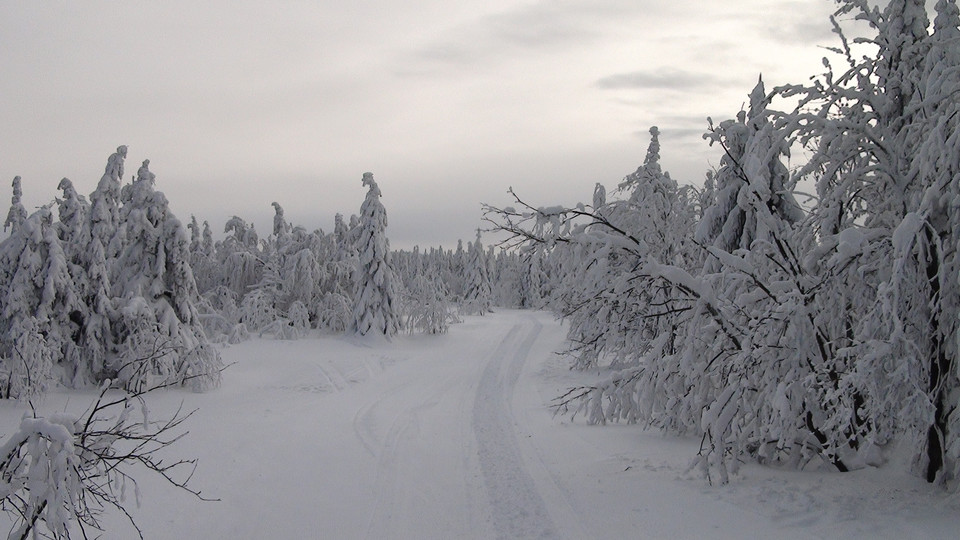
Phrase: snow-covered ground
(450, 437)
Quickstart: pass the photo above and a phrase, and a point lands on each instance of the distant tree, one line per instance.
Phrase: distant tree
(477, 292)
(426, 308)
(532, 278)
(240, 257)
(17, 213)
(280, 225)
(72, 210)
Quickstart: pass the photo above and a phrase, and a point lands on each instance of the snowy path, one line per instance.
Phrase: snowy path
(517, 507)
(450, 437)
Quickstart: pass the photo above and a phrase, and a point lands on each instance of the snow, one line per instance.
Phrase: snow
(450, 436)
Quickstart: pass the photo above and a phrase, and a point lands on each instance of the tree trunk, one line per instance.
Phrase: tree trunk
(939, 368)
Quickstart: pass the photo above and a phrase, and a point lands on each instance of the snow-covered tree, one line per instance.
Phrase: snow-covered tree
(426, 307)
(41, 312)
(105, 203)
(532, 279)
(72, 211)
(883, 138)
(376, 307)
(280, 225)
(240, 257)
(159, 334)
(17, 213)
(476, 295)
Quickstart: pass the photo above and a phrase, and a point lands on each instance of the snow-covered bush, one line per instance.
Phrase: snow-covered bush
(59, 474)
(426, 308)
(257, 310)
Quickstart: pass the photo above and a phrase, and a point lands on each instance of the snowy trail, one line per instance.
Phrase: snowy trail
(450, 435)
(518, 508)
(441, 437)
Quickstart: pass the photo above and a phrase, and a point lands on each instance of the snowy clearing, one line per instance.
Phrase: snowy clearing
(450, 437)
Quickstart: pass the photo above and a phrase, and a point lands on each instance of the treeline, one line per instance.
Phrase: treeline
(113, 288)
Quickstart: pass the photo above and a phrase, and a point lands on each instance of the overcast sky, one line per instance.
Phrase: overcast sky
(238, 104)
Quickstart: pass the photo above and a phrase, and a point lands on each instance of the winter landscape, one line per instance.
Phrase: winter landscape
(769, 352)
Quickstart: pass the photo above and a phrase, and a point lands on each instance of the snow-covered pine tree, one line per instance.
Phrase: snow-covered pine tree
(105, 204)
(208, 274)
(72, 211)
(505, 280)
(532, 278)
(194, 228)
(340, 230)
(612, 310)
(755, 357)
(731, 223)
(159, 336)
(240, 256)
(17, 213)
(207, 242)
(426, 308)
(90, 274)
(41, 312)
(280, 225)
(476, 295)
(376, 306)
(97, 340)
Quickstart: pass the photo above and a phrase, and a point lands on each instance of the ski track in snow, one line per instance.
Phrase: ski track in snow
(518, 508)
(491, 485)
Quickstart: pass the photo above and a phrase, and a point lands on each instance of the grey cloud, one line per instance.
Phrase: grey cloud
(676, 128)
(805, 32)
(682, 134)
(796, 22)
(662, 79)
(545, 26)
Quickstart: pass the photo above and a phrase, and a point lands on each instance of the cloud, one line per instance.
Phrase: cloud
(664, 78)
(682, 135)
(544, 27)
(795, 22)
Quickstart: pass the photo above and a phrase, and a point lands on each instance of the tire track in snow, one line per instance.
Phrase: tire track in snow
(518, 508)
(403, 430)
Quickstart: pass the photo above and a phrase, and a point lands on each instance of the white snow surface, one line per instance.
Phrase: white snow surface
(450, 436)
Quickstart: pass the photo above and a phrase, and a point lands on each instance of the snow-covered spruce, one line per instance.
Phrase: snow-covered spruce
(17, 213)
(78, 316)
(159, 336)
(884, 131)
(376, 301)
(476, 294)
(425, 307)
(41, 313)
